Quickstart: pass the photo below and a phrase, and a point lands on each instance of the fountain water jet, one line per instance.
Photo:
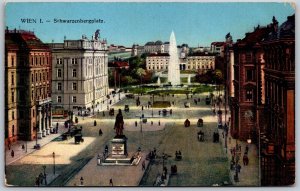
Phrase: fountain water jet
(173, 67)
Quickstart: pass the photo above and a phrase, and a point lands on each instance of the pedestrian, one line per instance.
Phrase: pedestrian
(159, 112)
(111, 182)
(247, 149)
(100, 132)
(171, 111)
(238, 168)
(143, 165)
(135, 123)
(23, 146)
(37, 181)
(12, 153)
(142, 107)
(244, 160)
(159, 123)
(151, 122)
(103, 114)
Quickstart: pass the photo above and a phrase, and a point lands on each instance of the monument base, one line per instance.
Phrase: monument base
(119, 154)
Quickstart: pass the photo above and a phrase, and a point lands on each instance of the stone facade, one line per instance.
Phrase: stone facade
(278, 133)
(201, 62)
(157, 62)
(28, 86)
(80, 73)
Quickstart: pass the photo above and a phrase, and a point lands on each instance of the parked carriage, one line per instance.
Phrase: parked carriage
(126, 108)
(207, 101)
(112, 112)
(187, 104)
(78, 138)
(200, 122)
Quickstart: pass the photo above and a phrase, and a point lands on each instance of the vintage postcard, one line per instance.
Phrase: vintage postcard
(149, 94)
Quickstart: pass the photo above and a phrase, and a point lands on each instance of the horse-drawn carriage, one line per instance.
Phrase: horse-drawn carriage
(207, 100)
(187, 104)
(200, 136)
(78, 138)
(112, 112)
(200, 122)
(126, 108)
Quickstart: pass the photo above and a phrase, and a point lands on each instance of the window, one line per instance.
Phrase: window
(74, 73)
(58, 61)
(58, 99)
(36, 79)
(248, 57)
(74, 86)
(249, 75)
(13, 130)
(32, 78)
(12, 79)
(59, 86)
(32, 95)
(59, 73)
(33, 113)
(74, 99)
(74, 61)
(13, 115)
(40, 77)
(249, 95)
(12, 96)
(12, 61)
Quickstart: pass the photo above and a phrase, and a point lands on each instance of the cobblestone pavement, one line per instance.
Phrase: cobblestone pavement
(249, 174)
(203, 164)
(19, 152)
(120, 175)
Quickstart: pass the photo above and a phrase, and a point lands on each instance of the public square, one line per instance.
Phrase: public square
(203, 163)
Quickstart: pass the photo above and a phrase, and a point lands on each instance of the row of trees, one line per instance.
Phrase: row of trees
(136, 74)
(210, 77)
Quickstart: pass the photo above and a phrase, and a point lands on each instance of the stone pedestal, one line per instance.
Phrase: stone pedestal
(119, 146)
(44, 133)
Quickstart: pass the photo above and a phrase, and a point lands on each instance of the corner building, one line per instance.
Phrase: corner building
(278, 135)
(80, 73)
(27, 86)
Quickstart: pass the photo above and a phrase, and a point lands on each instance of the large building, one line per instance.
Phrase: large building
(247, 102)
(27, 86)
(278, 133)
(200, 61)
(217, 48)
(157, 62)
(79, 73)
(156, 47)
(137, 50)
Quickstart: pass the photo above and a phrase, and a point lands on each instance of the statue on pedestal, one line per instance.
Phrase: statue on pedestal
(119, 124)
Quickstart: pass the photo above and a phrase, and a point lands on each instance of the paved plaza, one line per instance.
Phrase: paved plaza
(203, 163)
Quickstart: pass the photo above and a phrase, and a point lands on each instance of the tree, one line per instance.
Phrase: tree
(140, 72)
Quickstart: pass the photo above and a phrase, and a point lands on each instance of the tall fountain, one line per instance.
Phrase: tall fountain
(173, 68)
(158, 81)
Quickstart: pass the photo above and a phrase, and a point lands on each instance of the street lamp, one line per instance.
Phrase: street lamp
(45, 177)
(53, 155)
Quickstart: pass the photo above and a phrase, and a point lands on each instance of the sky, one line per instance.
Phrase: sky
(197, 24)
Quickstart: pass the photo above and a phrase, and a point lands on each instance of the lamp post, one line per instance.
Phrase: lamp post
(53, 155)
(45, 176)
